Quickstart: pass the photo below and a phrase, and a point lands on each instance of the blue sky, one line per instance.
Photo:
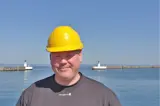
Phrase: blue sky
(113, 31)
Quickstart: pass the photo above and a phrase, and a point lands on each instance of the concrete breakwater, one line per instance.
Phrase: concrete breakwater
(18, 68)
(23, 67)
(124, 67)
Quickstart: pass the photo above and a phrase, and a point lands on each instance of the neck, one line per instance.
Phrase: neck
(67, 82)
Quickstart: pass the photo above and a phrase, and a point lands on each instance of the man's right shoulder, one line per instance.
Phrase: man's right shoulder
(27, 94)
(37, 84)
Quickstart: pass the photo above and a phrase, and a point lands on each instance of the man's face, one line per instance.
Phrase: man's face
(66, 64)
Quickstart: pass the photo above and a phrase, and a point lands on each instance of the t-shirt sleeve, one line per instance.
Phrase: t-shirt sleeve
(21, 100)
(24, 99)
(111, 99)
(114, 101)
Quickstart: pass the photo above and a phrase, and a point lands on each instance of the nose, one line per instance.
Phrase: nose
(63, 61)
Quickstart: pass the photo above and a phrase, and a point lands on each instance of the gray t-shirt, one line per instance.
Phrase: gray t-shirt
(86, 92)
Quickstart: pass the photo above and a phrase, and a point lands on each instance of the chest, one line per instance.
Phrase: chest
(66, 99)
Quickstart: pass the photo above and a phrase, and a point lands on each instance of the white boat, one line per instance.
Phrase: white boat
(99, 67)
(27, 67)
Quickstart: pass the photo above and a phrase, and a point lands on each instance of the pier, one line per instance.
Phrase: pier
(104, 67)
(124, 67)
(17, 68)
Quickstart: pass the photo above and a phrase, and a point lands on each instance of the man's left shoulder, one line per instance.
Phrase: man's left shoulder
(101, 89)
(96, 84)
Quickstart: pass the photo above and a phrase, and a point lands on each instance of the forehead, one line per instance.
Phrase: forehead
(66, 52)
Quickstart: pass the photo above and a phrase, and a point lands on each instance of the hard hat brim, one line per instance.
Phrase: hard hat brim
(64, 48)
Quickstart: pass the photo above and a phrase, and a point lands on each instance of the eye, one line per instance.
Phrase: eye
(69, 55)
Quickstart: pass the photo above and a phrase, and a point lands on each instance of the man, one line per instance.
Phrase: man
(68, 86)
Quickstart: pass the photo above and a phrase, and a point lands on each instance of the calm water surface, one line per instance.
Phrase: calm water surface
(134, 87)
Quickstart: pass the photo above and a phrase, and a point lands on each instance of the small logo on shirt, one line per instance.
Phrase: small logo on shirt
(65, 94)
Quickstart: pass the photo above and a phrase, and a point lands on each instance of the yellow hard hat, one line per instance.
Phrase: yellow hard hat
(64, 38)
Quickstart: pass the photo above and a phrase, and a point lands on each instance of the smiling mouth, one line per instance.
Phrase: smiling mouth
(63, 69)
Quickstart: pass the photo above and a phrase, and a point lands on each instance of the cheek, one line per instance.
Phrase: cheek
(54, 63)
(74, 62)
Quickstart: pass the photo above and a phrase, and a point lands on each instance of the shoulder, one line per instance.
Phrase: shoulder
(26, 95)
(96, 84)
(108, 95)
(40, 83)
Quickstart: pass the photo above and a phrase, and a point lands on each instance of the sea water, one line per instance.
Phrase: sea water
(133, 87)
